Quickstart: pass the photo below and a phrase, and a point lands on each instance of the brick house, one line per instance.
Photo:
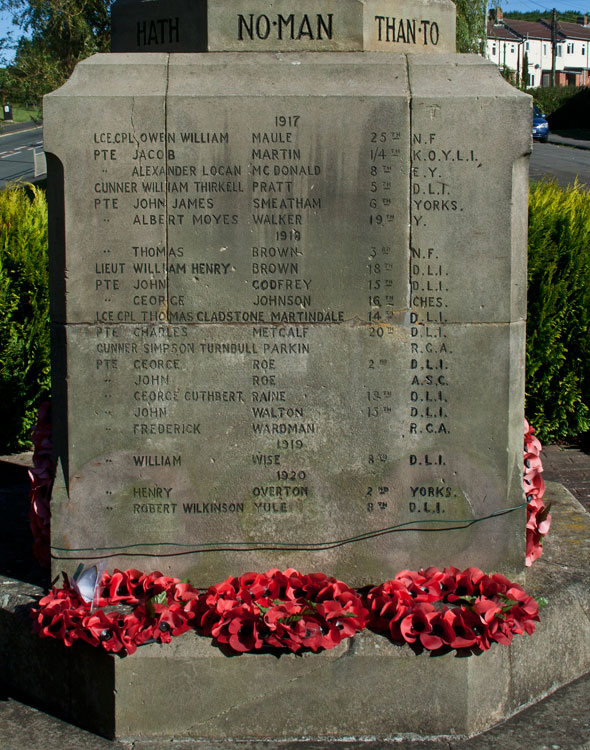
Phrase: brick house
(509, 40)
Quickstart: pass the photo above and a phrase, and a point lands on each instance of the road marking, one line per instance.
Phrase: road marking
(27, 130)
(19, 149)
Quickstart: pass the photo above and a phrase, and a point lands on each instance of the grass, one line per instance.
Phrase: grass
(22, 114)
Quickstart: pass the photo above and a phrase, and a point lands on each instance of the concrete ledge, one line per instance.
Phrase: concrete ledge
(365, 688)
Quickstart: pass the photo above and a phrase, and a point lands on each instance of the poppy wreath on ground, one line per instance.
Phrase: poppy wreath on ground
(451, 609)
(125, 610)
(283, 610)
(538, 516)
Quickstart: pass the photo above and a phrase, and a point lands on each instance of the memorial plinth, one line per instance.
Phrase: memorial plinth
(365, 688)
(288, 308)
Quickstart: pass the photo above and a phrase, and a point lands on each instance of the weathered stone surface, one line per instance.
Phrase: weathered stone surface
(453, 171)
(156, 490)
(426, 26)
(285, 341)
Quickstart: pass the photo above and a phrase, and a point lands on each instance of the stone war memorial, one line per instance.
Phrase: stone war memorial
(288, 264)
(289, 295)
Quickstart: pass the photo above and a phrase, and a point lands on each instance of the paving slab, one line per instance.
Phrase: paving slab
(569, 465)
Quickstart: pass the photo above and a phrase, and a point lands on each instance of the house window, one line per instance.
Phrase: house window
(544, 49)
(570, 48)
(583, 50)
(531, 81)
(528, 46)
(493, 49)
(512, 48)
(558, 50)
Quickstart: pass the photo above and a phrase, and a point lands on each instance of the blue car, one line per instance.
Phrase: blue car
(540, 125)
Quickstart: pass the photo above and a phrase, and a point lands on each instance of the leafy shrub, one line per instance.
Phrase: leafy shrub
(573, 113)
(558, 339)
(24, 313)
(552, 98)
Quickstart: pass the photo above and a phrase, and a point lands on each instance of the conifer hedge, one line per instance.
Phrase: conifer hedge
(24, 313)
(558, 328)
(558, 332)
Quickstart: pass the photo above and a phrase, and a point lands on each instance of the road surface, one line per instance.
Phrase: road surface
(561, 163)
(16, 154)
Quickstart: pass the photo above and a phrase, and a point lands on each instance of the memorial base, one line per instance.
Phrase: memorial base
(365, 688)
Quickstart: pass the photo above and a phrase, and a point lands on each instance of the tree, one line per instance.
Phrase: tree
(471, 25)
(59, 33)
(571, 16)
(524, 80)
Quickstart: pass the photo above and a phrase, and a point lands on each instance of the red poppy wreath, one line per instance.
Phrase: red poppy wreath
(451, 609)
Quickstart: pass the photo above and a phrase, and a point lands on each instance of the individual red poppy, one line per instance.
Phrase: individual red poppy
(465, 625)
(494, 585)
(413, 580)
(184, 592)
(345, 621)
(244, 633)
(534, 546)
(118, 587)
(137, 629)
(467, 582)
(487, 609)
(500, 631)
(103, 629)
(440, 632)
(50, 619)
(169, 621)
(308, 633)
(417, 622)
(388, 604)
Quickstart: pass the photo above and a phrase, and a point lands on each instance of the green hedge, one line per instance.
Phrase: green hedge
(551, 98)
(558, 338)
(24, 313)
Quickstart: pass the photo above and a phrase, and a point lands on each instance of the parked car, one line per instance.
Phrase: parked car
(540, 125)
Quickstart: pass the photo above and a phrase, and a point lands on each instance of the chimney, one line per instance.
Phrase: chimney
(582, 20)
(496, 15)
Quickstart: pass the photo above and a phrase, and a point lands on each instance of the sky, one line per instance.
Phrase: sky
(6, 27)
(583, 6)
